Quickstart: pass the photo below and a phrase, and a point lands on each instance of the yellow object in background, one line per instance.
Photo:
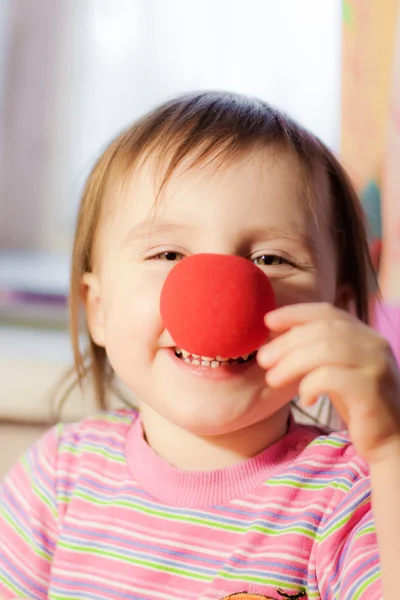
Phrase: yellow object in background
(370, 146)
(368, 41)
(390, 263)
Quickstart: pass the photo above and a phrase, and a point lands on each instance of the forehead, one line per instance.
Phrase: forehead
(263, 185)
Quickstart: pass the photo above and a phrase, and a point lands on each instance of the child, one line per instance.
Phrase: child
(214, 490)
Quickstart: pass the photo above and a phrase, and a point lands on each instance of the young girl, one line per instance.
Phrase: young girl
(212, 491)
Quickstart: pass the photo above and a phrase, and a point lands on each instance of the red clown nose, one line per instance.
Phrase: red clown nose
(214, 305)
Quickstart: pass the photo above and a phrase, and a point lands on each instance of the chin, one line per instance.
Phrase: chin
(216, 419)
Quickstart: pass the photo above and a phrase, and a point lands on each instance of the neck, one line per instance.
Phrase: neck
(192, 452)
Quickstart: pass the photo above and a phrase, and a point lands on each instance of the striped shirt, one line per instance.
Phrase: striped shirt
(91, 512)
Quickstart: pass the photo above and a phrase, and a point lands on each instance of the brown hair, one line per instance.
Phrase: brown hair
(209, 125)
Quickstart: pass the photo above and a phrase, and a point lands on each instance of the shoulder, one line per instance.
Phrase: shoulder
(64, 445)
(91, 449)
(331, 459)
(104, 433)
(107, 425)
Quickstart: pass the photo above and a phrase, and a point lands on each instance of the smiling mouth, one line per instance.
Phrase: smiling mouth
(213, 363)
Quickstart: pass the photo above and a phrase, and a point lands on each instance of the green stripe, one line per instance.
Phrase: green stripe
(63, 498)
(338, 525)
(365, 585)
(358, 593)
(109, 417)
(334, 528)
(53, 509)
(134, 561)
(328, 441)
(35, 488)
(159, 513)
(308, 486)
(114, 418)
(259, 580)
(364, 531)
(9, 585)
(68, 447)
(276, 532)
(199, 520)
(15, 527)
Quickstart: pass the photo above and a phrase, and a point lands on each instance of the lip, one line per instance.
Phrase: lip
(209, 372)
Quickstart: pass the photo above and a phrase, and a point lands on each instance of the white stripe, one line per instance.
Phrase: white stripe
(30, 569)
(110, 483)
(123, 586)
(109, 434)
(156, 539)
(277, 506)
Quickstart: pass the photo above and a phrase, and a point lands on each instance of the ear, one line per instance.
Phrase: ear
(345, 299)
(91, 297)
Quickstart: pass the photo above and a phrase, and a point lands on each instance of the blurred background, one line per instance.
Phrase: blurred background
(73, 73)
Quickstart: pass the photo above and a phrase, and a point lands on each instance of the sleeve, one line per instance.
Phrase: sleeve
(387, 322)
(347, 557)
(29, 521)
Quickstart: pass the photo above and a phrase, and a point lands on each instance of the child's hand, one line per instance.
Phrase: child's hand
(331, 352)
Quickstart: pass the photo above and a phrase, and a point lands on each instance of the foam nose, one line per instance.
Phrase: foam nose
(214, 305)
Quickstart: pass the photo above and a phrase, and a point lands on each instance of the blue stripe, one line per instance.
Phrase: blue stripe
(187, 513)
(353, 578)
(349, 509)
(283, 577)
(138, 556)
(22, 519)
(39, 477)
(136, 544)
(300, 479)
(127, 497)
(269, 513)
(13, 572)
(80, 585)
(216, 563)
(101, 444)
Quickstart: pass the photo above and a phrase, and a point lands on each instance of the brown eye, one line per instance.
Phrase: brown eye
(169, 256)
(269, 260)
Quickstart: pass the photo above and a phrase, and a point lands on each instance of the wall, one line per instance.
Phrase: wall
(80, 71)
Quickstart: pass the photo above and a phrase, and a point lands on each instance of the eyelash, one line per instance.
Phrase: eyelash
(163, 256)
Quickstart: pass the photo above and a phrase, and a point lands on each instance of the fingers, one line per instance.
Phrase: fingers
(336, 342)
(335, 381)
(300, 336)
(300, 361)
(289, 316)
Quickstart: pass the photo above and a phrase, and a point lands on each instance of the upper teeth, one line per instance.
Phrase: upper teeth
(186, 354)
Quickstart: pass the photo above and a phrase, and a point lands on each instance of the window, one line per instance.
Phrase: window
(76, 72)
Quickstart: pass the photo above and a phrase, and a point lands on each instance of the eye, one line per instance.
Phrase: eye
(270, 260)
(168, 256)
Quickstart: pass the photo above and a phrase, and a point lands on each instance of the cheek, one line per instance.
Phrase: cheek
(306, 287)
(132, 312)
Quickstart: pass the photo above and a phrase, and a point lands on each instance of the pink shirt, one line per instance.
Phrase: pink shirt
(91, 512)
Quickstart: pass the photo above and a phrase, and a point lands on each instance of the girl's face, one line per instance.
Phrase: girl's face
(254, 207)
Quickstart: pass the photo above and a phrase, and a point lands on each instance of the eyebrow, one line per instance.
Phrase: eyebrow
(143, 230)
(289, 232)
